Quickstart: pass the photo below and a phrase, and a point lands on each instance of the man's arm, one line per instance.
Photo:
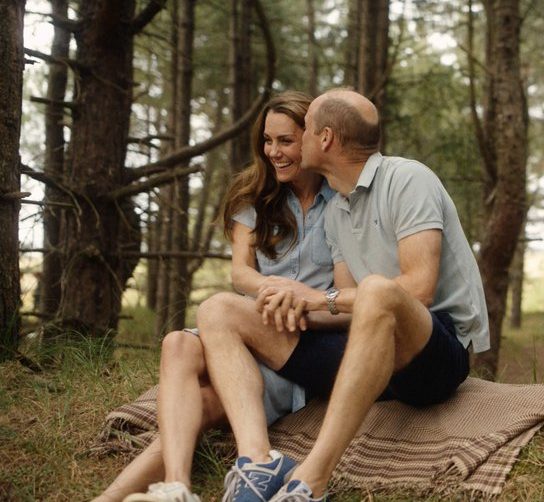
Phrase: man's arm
(419, 260)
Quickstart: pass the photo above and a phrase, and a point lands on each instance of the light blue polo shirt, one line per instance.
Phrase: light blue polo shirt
(394, 198)
(309, 261)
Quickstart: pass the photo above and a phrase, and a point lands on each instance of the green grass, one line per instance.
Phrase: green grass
(49, 421)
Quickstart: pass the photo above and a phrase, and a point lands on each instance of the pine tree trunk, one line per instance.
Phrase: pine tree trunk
(50, 283)
(94, 274)
(179, 280)
(505, 153)
(516, 283)
(351, 72)
(163, 275)
(11, 85)
(240, 68)
(312, 49)
(153, 232)
(373, 55)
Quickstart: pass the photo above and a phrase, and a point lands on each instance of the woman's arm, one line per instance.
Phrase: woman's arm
(245, 277)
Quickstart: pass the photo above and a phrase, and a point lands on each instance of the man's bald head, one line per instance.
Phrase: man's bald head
(353, 118)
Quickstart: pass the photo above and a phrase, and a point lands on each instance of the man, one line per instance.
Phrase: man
(419, 301)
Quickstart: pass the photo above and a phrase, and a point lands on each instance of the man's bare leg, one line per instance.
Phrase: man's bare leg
(228, 325)
(389, 327)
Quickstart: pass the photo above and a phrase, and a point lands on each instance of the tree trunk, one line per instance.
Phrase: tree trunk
(312, 49)
(11, 87)
(94, 275)
(179, 281)
(153, 232)
(351, 72)
(240, 68)
(50, 283)
(373, 55)
(504, 149)
(516, 282)
(163, 275)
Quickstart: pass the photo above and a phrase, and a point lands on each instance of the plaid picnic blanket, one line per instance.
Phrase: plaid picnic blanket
(468, 443)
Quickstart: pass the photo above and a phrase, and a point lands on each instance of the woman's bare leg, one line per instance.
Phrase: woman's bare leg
(187, 406)
(187, 403)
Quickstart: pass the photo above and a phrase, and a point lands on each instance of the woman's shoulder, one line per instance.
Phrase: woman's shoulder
(247, 216)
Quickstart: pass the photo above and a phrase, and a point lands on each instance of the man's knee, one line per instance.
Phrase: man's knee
(379, 291)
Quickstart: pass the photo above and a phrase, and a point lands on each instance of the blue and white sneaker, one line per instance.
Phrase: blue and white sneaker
(252, 482)
(296, 491)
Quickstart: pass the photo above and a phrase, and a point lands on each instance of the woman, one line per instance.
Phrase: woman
(265, 219)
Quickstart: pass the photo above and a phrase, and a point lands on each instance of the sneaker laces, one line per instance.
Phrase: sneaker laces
(233, 477)
(165, 489)
(291, 497)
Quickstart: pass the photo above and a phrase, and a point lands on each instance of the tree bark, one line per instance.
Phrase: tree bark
(372, 65)
(516, 282)
(50, 289)
(94, 276)
(240, 68)
(11, 89)
(312, 49)
(504, 149)
(179, 280)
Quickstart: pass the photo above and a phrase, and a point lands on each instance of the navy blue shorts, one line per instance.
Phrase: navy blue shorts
(430, 378)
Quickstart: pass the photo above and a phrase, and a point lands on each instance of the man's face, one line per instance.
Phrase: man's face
(310, 141)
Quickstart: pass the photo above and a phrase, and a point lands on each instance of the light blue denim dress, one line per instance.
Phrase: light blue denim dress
(308, 261)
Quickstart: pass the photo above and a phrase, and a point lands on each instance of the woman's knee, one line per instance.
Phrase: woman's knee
(220, 310)
(180, 347)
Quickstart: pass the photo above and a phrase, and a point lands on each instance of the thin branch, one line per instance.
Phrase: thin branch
(14, 195)
(53, 60)
(47, 203)
(41, 177)
(66, 23)
(189, 152)
(147, 15)
(174, 254)
(154, 181)
(66, 104)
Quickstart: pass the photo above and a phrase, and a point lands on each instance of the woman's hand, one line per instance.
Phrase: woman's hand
(283, 308)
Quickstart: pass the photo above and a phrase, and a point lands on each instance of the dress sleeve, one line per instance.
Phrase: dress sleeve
(247, 217)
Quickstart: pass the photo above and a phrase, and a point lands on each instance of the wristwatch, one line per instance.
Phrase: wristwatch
(331, 295)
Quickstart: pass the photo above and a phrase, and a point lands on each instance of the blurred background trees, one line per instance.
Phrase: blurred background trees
(137, 113)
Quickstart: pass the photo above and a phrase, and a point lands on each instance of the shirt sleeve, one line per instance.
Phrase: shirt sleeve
(331, 234)
(416, 198)
(247, 217)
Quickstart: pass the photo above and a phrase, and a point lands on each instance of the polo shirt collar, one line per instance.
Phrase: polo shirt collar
(365, 179)
(369, 170)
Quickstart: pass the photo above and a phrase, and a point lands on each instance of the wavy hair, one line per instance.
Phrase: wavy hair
(258, 186)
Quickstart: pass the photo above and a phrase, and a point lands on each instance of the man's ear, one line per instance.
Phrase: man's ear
(327, 137)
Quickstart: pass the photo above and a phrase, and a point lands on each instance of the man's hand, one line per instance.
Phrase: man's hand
(282, 308)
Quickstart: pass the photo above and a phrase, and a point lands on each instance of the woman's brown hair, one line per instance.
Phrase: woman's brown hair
(257, 185)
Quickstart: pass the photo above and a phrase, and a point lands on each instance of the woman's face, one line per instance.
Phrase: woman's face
(282, 145)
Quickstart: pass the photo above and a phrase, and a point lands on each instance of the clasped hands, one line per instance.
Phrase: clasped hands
(283, 303)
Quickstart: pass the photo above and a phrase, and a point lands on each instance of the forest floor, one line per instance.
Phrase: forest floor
(49, 420)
